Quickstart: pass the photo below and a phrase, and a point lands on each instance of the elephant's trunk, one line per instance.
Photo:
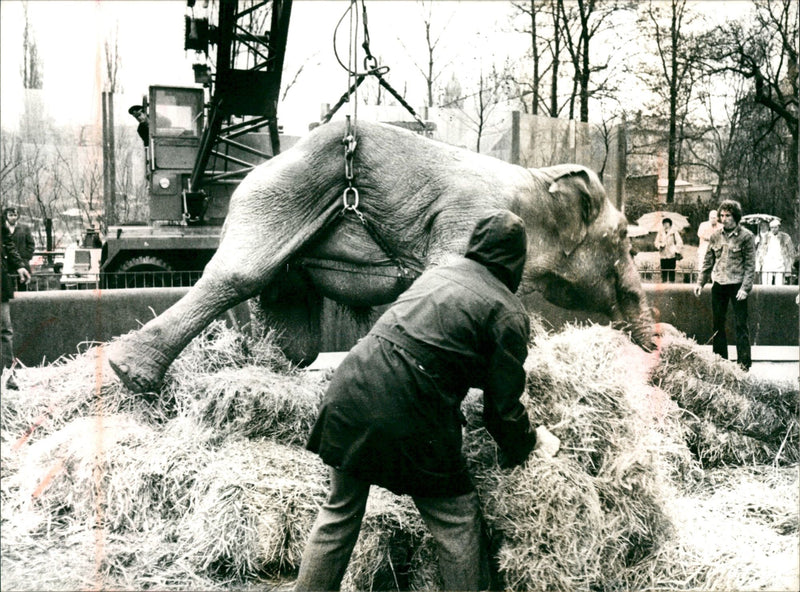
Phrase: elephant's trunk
(632, 313)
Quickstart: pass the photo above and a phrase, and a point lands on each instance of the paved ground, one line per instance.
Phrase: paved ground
(776, 362)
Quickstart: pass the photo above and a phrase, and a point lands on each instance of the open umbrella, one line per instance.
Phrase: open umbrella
(754, 219)
(635, 231)
(652, 221)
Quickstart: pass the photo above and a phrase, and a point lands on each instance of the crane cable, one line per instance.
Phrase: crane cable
(350, 197)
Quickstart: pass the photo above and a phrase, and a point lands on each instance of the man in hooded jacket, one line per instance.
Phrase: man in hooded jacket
(391, 415)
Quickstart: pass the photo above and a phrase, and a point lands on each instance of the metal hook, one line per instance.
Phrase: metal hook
(347, 204)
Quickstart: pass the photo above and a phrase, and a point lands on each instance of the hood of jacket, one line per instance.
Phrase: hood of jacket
(499, 242)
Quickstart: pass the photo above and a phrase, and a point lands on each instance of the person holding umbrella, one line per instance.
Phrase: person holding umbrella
(669, 245)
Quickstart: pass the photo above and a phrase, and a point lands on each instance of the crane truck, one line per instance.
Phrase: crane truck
(201, 141)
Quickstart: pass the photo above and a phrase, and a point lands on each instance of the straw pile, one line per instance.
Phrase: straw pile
(580, 520)
(208, 487)
(734, 418)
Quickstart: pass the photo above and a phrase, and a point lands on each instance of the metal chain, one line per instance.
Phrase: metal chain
(350, 197)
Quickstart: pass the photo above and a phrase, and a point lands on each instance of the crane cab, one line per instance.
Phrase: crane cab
(176, 120)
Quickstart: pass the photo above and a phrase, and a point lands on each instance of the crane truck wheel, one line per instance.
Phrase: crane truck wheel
(146, 271)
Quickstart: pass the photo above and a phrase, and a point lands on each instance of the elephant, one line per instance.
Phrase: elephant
(354, 213)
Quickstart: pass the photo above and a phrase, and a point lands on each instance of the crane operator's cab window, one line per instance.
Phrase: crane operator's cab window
(178, 112)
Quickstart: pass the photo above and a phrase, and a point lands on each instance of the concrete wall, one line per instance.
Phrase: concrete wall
(50, 324)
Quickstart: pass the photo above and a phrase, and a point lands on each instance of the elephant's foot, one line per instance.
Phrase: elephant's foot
(140, 367)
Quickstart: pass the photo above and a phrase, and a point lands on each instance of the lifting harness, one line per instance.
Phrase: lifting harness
(350, 197)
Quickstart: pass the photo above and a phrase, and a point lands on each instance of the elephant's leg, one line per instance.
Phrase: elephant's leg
(291, 307)
(246, 261)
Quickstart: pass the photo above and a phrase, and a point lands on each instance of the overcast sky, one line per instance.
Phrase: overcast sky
(150, 37)
(70, 35)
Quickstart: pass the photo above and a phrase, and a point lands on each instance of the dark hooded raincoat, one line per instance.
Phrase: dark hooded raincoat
(391, 415)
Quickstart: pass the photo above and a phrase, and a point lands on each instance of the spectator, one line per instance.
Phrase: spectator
(10, 260)
(730, 263)
(704, 232)
(775, 255)
(761, 240)
(23, 240)
(391, 415)
(669, 244)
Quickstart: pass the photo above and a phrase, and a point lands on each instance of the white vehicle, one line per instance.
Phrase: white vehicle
(81, 268)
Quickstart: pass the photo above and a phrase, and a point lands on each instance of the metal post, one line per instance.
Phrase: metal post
(111, 203)
(515, 122)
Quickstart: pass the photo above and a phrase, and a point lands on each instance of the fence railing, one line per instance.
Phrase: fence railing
(689, 276)
(111, 281)
(179, 279)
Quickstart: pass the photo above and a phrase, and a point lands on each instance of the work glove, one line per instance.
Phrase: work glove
(547, 444)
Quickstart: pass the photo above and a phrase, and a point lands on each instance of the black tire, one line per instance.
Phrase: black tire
(145, 271)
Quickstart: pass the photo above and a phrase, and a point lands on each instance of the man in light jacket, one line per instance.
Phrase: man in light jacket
(730, 264)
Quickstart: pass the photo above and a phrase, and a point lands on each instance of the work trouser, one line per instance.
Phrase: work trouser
(455, 523)
(6, 335)
(721, 295)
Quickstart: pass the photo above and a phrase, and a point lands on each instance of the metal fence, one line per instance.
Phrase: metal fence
(40, 282)
(179, 279)
(690, 276)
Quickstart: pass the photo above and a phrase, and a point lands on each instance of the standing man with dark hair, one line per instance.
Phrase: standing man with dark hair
(730, 263)
(10, 260)
(391, 415)
(22, 237)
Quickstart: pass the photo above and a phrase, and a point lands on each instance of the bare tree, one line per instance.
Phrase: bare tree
(766, 54)
(433, 35)
(313, 60)
(9, 159)
(672, 77)
(715, 145)
(540, 20)
(489, 92)
(532, 11)
(79, 177)
(32, 72)
(582, 21)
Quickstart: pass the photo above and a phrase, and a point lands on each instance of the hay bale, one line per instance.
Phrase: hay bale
(737, 530)
(219, 347)
(72, 387)
(597, 509)
(252, 508)
(72, 475)
(253, 402)
(549, 518)
(734, 418)
(162, 479)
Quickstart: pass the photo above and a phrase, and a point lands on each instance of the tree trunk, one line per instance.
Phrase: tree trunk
(535, 56)
(556, 54)
(673, 107)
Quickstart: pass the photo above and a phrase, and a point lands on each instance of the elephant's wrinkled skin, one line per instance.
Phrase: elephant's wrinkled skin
(282, 240)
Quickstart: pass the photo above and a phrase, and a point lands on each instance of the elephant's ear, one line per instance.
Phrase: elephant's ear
(578, 197)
